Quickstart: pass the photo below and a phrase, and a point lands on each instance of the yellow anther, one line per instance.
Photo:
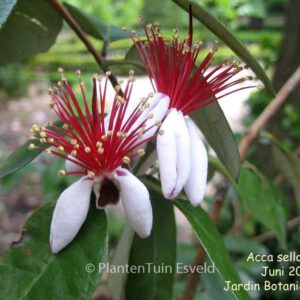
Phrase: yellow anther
(43, 140)
(61, 148)
(150, 116)
(104, 137)
(124, 135)
(142, 109)
(158, 123)
(119, 133)
(107, 73)
(31, 147)
(99, 144)
(100, 150)
(143, 100)
(74, 153)
(120, 99)
(60, 70)
(147, 105)
(91, 174)
(76, 146)
(73, 142)
(65, 126)
(151, 94)
(109, 132)
(43, 134)
(50, 140)
(131, 72)
(48, 151)
(141, 152)
(87, 149)
(61, 173)
(78, 73)
(126, 160)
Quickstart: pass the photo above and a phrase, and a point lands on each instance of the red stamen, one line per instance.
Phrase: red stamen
(172, 69)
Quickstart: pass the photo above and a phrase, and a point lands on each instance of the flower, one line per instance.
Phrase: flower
(100, 149)
(171, 67)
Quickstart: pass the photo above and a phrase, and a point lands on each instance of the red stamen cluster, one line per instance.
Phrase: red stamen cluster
(172, 70)
(86, 138)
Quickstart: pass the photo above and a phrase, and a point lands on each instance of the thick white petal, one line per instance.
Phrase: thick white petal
(158, 107)
(173, 148)
(196, 183)
(183, 154)
(72, 167)
(136, 202)
(167, 154)
(69, 214)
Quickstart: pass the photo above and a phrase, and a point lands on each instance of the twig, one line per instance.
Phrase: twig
(271, 234)
(268, 112)
(63, 12)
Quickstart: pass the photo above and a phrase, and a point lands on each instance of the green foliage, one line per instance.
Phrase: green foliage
(213, 124)
(264, 201)
(212, 242)
(158, 249)
(30, 271)
(37, 26)
(95, 26)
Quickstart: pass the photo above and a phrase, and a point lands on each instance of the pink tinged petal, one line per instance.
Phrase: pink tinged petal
(136, 202)
(196, 183)
(69, 214)
(71, 166)
(173, 149)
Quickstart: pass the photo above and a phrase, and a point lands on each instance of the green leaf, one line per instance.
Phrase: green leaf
(20, 157)
(96, 27)
(220, 30)
(264, 201)
(213, 244)
(31, 28)
(212, 122)
(30, 271)
(6, 6)
(288, 164)
(159, 249)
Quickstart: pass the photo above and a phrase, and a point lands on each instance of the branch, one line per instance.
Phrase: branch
(268, 112)
(63, 12)
(271, 234)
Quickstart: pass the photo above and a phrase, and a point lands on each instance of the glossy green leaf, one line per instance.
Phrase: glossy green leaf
(6, 7)
(212, 122)
(264, 201)
(31, 28)
(20, 157)
(213, 244)
(96, 27)
(288, 164)
(30, 271)
(159, 249)
(220, 30)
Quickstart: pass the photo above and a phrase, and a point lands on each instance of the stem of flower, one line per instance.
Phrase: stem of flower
(63, 12)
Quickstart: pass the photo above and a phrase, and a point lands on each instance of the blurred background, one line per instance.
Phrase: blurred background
(270, 29)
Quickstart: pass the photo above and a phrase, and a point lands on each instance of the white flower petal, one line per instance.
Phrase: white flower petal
(167, 154)
(158, 107)
(196, 183)
(173, 148)
(183, 153)
(136, 201)
(71, 166)
(69, 214)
